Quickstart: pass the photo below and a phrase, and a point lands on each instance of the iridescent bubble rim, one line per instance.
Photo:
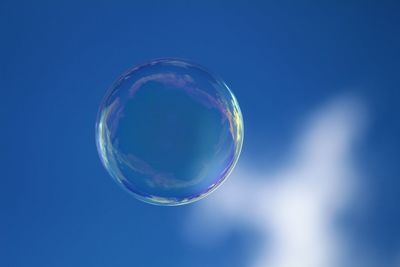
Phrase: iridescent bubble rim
(109, 156)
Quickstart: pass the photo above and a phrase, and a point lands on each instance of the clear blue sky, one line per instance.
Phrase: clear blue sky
(58, 206)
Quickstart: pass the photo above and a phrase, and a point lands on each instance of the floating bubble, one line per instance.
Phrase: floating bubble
(169, 132)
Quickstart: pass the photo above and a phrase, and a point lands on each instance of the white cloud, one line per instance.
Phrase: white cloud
(296, 206)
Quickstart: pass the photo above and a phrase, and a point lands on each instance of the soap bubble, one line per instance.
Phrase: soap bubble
(169, 132)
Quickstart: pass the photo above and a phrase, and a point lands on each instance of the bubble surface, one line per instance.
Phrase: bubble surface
(169, 132)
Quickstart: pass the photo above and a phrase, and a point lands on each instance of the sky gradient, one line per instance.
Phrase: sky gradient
(286, 63)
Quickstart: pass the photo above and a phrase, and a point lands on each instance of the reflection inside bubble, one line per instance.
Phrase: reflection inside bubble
(169, 132)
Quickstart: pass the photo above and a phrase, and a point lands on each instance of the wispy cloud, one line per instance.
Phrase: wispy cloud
(295, 207)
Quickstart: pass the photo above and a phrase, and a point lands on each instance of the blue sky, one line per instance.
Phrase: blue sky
(285, 63)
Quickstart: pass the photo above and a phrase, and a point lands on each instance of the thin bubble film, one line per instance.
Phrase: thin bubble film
(169, 132)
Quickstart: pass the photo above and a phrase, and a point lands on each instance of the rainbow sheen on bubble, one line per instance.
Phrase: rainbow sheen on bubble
(169, 132)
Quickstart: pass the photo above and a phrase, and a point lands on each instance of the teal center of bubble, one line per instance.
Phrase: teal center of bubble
(169, 132)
